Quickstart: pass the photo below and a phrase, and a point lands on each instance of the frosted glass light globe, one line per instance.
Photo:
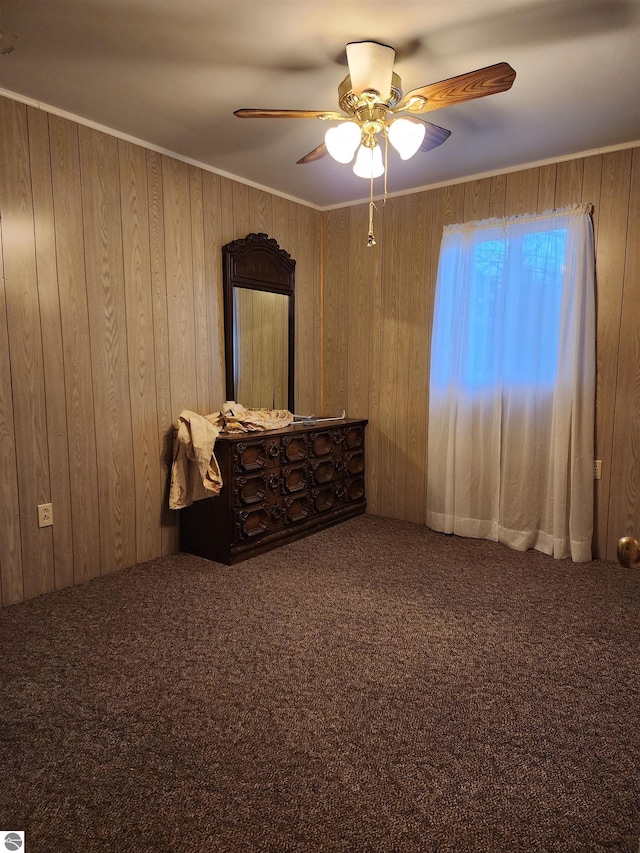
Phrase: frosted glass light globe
(342, 141)
(368, 162)
(406, 136)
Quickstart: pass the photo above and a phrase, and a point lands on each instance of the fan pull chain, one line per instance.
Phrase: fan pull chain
(386, 167)
(371, 240)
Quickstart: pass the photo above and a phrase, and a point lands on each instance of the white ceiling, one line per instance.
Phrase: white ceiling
(171, 72)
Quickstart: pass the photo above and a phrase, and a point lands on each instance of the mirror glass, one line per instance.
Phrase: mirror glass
(261, 353)
(259, 279)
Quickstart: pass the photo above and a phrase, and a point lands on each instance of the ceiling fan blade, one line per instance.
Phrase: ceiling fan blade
(434, 136)
(324, 114)
(455, 90)
(316, 154)
(370, 67)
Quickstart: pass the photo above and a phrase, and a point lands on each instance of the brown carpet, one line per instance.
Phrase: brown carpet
(374, 687)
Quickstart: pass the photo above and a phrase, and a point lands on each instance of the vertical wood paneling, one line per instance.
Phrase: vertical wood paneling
(293, 237)
(291, 245)
(602, 180)
(120, 298)
(624, 504)
(304, 317)
(306, 339)
(11, 582)
(316, 266)
(354, 304)
(405, 320)
(591, 181)
(51, 333)
(386, 414)
(347, 258)
(116, 326)
(280, 208)
(546, 188)
(439, 218)
(140, 349)
(166, 417)
(83, 471)
(241, 216)
(180, 294)
(568, 182)
(260, 212)
(522, 192)
(213, 274)
(419, 358)
(25, 345)
(200, 294)
(279, 217)
(498, 196)
(448, 208)
(477, 200)
(610, 261)
(109, 357)
(330, 352)
(228, 230)
(376, 391)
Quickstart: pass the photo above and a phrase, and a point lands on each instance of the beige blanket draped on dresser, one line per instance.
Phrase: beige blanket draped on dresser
(194, 472)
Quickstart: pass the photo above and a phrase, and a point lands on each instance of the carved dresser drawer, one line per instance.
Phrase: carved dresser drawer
(278, 486)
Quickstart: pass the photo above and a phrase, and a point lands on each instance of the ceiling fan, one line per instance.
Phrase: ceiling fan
(372, 103)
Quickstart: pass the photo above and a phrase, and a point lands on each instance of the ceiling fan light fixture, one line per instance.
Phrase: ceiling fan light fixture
(370, 97)
(406, 136)
(343, 140)
(368, 162)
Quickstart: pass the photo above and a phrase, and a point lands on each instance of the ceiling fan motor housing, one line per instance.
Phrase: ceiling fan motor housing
(351, 104)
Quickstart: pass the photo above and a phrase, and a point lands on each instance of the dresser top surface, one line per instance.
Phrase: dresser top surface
(298, 427)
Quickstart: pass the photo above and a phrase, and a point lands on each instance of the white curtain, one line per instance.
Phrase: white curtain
(511, 411)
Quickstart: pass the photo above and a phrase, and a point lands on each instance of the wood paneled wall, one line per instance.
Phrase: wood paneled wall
(378, 307)
(110, 326)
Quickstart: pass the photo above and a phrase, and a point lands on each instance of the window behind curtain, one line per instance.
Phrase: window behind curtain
(512, 382)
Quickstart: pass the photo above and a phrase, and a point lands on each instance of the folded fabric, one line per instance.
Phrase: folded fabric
(233, 417)
(194, 473)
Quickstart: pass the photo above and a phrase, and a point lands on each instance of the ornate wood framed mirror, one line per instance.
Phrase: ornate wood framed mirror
(259, 322)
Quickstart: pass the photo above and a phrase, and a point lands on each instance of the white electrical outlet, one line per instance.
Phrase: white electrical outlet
(597, 469)
(45, 515)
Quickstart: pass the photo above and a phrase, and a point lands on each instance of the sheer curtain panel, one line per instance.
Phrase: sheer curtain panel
(512, 388)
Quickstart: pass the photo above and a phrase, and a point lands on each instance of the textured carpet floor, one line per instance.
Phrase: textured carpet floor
(374, 687)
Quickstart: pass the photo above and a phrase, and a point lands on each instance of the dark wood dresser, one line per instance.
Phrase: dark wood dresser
(278, 485)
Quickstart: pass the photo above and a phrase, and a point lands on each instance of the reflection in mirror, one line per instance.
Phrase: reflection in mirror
(259, 312)
(261, 350)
